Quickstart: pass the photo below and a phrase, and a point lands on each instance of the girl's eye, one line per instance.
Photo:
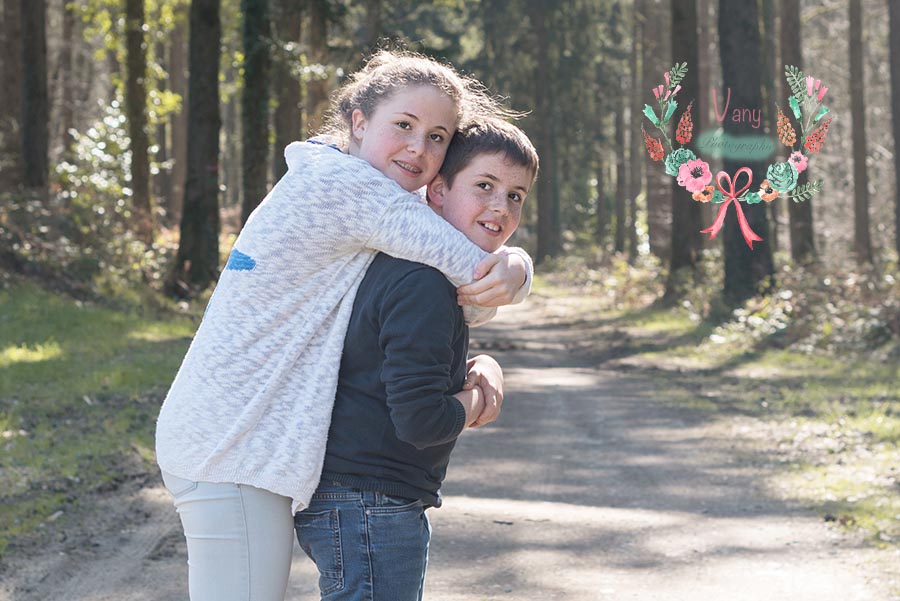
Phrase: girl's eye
(437, 138)
(515, 197)
(404, 125)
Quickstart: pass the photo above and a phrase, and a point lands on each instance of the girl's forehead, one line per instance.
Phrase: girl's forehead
(422, 101)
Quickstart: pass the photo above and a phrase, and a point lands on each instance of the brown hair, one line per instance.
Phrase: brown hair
(489, 136)
(388, 71)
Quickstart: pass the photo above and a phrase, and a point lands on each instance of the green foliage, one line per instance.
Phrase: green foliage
(80, 238)
(796, 81)
(676, 74)
(806, 191)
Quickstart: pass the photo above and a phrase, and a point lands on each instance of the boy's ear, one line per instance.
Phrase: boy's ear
(436, 189)
(358, 124)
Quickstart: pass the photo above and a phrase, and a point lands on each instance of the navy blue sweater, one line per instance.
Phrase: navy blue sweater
(394, 421)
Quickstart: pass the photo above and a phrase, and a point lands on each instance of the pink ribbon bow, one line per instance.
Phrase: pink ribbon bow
(730, 195)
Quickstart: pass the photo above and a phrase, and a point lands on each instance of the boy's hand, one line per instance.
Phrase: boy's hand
(485, 373)
(497, 280)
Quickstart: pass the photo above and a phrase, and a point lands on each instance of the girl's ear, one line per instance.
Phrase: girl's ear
(358, 124)
(436, 190)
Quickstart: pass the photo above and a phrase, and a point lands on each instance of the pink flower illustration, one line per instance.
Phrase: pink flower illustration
(799, 161)
(822, 91)
(694, 175)
(809, 85)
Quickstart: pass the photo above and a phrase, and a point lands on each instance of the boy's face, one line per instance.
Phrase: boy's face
(485, 202)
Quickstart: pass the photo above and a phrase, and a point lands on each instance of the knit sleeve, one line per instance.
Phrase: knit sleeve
(411, 230)
(420, 328)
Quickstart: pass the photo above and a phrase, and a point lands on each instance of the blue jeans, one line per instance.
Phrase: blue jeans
(367, 546)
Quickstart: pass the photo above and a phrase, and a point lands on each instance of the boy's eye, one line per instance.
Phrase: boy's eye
(515, 197)
(484, 185)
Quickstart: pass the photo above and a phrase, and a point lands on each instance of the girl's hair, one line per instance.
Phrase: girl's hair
(388, 71)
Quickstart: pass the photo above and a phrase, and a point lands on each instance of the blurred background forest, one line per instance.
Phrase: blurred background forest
(106, 159)
(137, 135)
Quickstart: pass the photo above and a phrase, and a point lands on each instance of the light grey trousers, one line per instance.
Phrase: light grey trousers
(239, 540)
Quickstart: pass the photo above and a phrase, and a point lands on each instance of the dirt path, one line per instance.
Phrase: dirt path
(591, 487)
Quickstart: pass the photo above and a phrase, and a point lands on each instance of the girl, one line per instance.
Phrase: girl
(241, 435)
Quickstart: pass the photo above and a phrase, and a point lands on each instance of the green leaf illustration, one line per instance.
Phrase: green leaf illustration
(795, 107)
(648, 110)
(796, 80)
(677, 73)
(806, 191)
(822, 112)
(671, 109)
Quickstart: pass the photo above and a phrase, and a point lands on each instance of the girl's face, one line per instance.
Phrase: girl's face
(407, 135)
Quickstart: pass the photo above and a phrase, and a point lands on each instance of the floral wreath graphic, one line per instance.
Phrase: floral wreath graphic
(781, 177)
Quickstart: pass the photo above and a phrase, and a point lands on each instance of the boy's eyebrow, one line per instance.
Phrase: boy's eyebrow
(494, 178)
(416, 117)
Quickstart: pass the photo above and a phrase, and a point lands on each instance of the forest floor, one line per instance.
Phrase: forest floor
(615, 472)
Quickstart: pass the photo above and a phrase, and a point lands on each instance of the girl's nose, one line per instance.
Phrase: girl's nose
(415, 145)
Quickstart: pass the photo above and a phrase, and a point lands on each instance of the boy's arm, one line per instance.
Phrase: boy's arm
(420, 324)
(485, 374)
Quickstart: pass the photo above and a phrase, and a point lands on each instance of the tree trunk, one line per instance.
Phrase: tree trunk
(747, 271)
(317, 87)
(894, 43)
(656, 59)
(255, 103)
(621, 183)
(686, 225)
(547, 225)
(197, 262)
(162, 180)
(769, 52)
(136, 114)
(288, 115)
(636, 151)
(602, 224)
(862, 238)
(800, 214)
(178, 81)
(11, 96)
(68, 59)
(374, 25)
(35, 101)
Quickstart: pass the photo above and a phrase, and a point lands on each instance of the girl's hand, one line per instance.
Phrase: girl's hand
(486, 374)
(497, 280)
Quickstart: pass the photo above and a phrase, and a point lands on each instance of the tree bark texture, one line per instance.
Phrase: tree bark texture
(636, 150)
(288, 113)
(894, 49)
(70, 51)
(747, 272)
(800, 214)
(862, 237)
(317, 87)
(11, 96)
(548, 239)
(621, 182)
(602, 211)
(178, 82)
(686, 224)
(136, 114)
(197, 262)
(255, 103)
(35, 100)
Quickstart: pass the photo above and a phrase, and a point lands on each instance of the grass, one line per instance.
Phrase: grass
(80, 387)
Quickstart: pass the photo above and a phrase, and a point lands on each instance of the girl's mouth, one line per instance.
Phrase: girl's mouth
(412, 169)
(491, 227)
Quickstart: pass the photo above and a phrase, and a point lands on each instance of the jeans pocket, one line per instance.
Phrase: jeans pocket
(178, 487)
(319, 535)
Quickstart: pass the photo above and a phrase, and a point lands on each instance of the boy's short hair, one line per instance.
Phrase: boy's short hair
(489, 136)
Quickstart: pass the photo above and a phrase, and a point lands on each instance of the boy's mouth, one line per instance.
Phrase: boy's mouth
(412, 169)
(491, 227)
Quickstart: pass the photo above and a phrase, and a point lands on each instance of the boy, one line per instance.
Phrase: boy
(400, 404)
